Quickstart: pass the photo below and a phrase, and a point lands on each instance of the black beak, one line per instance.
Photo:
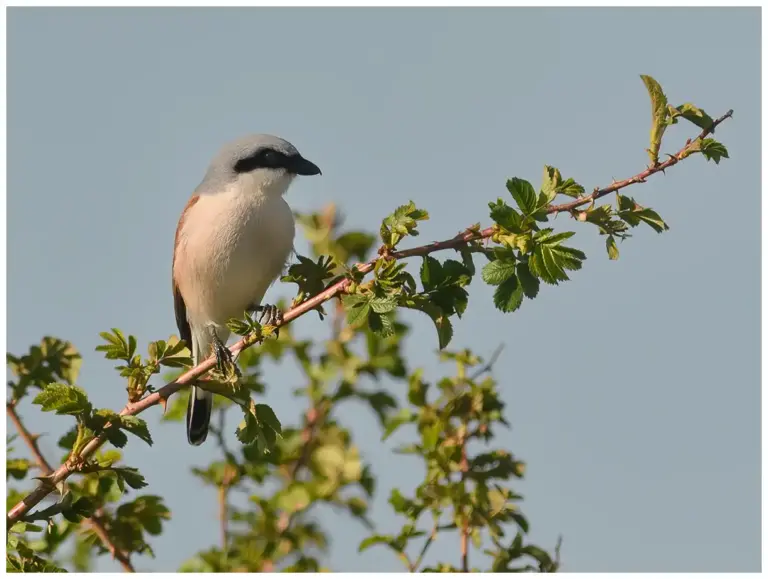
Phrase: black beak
(301, 166)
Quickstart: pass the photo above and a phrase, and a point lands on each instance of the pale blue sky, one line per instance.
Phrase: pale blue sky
(636, 392)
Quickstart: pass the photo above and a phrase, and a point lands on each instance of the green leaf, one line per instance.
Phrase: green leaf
(395, 421)
(498, 271)
(67, 440)
(383, 305)
(356, 244)
(137, 427)
(430, 435)
(16, 468)
(549, 182)
(81, 508)
(659, 114)
(404, 505)
(130, 476)
(570, 188)
(145, 513)
(357, 308)
(375, 540)
(692, 113)
(401, 223)
(260, 426)
(381, 325)
(108, 457)
(24, 527)
(117, 347)
(248, 432)
(267, 416)
(524, 195)
(456, 273)
(294, 498)
(438, 316)
(381, 403)
(552, 183)
(713, 151)
(310, 276)
(506, 216)
(431, 272)
(633, 214)
(653, 219)
(550, 259)
(238, 326)
(528, 282)
(467, 259)
(63, 399)
(509, 295)
(417, 388)
(610, 244)
(101, 417)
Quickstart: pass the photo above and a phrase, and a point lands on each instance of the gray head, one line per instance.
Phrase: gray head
(262, 164)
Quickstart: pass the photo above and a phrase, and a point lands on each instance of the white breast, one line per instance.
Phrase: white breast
(232, 246)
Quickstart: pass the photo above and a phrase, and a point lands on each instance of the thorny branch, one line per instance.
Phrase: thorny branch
(95, 522)
(640, 177)
(161, 396)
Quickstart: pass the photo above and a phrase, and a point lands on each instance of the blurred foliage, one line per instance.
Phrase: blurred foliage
(282, 474)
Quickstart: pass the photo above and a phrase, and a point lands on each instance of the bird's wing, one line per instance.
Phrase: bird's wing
(185, 332)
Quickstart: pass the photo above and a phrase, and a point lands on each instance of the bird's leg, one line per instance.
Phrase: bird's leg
(224, 359)
(270, 316)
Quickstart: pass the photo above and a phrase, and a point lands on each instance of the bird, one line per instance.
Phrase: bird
(234, 238)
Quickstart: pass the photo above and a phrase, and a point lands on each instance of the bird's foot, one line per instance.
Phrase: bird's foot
(270, 316)
(225, 363)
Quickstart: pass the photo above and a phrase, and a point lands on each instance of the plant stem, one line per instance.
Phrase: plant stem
(414, 567)
(464, 466)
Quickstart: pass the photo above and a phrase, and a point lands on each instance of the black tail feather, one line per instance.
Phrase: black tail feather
(198, 415)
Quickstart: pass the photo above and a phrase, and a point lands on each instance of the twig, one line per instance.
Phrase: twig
(161, 395)
(223, 513)
(488, 366)
(94, 521)
(312, 417)
(338, 320)
(307, 434)
(640, 177)
(229, 475)
(29, 439)
(464, 467)
(413, 567)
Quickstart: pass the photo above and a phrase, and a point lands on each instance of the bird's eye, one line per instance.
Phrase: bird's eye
(262, 159)
(270, 158)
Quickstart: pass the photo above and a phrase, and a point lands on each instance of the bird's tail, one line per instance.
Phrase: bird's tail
(200, 401)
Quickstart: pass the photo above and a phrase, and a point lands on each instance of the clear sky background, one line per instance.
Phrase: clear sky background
(639, 421)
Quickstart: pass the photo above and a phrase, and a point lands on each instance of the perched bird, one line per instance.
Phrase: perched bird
(233, 240)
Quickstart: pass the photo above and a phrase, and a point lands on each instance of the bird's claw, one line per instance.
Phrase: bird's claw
(225, 363)
(270, 316)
